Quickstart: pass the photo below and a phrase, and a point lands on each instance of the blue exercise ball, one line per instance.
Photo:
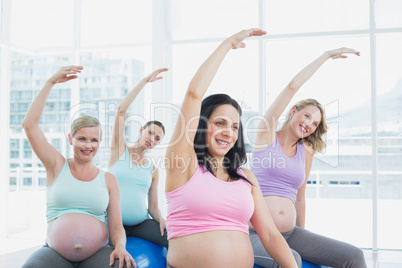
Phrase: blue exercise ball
(146, 254)
(307, 264)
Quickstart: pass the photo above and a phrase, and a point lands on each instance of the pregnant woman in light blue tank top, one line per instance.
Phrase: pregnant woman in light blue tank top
(80, 198)
(137, 176)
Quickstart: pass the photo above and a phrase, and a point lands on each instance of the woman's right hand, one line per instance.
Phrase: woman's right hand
(65, 74)
(237, 39)
(339, 53)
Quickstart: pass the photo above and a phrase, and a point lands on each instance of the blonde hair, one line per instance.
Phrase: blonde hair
(85, 121)
(315, 139)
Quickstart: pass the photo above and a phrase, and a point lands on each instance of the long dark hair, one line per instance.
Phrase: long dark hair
(236, 155)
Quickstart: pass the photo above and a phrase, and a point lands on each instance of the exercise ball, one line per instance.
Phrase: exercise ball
(307, 264)
(146, 254)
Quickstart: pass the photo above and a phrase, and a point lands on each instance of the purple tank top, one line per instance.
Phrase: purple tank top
(278, 174)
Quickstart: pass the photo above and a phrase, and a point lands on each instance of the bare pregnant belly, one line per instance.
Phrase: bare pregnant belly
(216, 249)
(76, 236)
(283, 212)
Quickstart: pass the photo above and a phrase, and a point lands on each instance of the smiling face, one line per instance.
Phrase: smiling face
(151, 136)
(86, 142)
(305, 121)
(223, 130)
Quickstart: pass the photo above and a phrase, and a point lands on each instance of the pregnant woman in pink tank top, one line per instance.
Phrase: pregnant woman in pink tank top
(210, 198)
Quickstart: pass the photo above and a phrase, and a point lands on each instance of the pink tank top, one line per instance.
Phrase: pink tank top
(206, 203)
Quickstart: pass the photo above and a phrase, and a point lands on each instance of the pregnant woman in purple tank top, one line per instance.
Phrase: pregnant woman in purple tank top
(282, 160)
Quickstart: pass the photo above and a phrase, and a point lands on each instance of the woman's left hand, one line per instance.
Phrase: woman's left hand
(340, 53)
(162, 225)
(154, 75)
(123, 256)
(237, 39)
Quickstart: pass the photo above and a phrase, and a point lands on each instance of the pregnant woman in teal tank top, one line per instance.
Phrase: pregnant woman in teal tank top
(81, 198)
(136, 174)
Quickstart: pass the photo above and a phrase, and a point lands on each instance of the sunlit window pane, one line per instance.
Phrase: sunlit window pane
(388, 13)
(106, 22)
(51, 25)
(193, 19)
(316, 16)
(1, 20)
(389, 113)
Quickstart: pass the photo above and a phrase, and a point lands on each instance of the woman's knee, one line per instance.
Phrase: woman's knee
(354, 258)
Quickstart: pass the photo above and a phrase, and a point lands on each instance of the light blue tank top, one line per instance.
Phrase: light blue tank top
(69, 195)
(134, 183)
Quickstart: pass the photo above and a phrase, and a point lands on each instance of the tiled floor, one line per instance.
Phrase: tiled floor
(14, 251)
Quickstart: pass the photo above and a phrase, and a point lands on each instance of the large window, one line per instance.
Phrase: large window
(115, 22)
(389, 100)
(115, 42)
(210, 19)
(315, 16)
(42, 23)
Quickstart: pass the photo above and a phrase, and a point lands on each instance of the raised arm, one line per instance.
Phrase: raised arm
(267, 126)
(271, 238)
(48, 155)
(181, 145)
(118, 144)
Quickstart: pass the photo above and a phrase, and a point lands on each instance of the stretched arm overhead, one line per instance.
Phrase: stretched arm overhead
(181, 145)
(118, 144)
(267, 126)
(48, 155)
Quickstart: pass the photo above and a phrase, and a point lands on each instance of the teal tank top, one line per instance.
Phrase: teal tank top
(134, 183)
(69, 195)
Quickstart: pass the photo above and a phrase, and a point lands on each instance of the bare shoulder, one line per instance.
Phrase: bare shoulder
(250, 176)
(111, 181)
